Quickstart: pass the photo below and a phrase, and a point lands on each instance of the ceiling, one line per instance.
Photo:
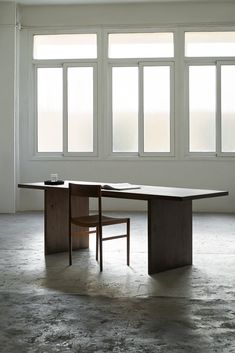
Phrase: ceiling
(89, 2)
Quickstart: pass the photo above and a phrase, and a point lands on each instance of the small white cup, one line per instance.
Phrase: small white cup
(54, 177)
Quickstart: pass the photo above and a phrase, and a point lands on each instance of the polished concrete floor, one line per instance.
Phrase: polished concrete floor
(47, 306)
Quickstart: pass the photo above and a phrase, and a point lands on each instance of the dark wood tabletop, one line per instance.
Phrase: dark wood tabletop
(145, 192)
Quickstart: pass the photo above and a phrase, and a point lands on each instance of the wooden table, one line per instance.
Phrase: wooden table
(169, 220)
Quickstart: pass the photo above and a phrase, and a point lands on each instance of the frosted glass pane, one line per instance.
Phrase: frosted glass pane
(49, 110)
(141, 45)
(125, 109)
(210, 44)
(157, 109)
(228, 108)
(80, 109)
(202, 108)
(65, 46)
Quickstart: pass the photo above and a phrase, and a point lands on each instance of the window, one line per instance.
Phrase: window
(50, 109)
(66, 93)
(80, 109)
(65, 46)
(202, 108)
(128, 77)
(141, 93)
(141, 45)
(125, 109)
(227, 108)
(156, 108)
(209, 44)
(211, 108)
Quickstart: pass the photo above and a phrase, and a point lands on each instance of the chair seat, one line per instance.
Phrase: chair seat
(93, 220)
(96, 221)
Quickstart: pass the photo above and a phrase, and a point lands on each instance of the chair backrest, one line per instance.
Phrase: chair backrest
(87, 191)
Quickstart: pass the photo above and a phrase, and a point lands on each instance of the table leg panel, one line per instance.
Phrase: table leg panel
(56, 212)
(169, 234)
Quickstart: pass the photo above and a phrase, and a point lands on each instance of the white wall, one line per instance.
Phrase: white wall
(129, 14)
(208, 174)
(7, 106)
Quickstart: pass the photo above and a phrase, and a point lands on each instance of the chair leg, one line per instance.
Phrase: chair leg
(97, 243)
(101, 248)
(128, 242)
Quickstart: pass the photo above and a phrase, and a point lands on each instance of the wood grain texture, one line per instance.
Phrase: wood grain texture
(169, 234)
(145, 192)
(56, 220)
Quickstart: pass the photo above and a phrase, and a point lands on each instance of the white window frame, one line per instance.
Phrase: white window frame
(103, 124)
(139, 63)
(217, 62)
(220, 153)
(64, 64)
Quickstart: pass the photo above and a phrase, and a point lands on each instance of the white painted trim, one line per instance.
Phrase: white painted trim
(65, 109)
(141, 110)
(179, 97)
(220, 63)
(103, 136)
(218, 110)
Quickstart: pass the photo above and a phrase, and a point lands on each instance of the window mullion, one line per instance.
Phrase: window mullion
(35, 152)
(95, 109)
(187, 128)
(65, 110)
(218, 108)
(141, 112)
(172, 108)
(225, 130)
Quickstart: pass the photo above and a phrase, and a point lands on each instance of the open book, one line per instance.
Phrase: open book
(119, 186)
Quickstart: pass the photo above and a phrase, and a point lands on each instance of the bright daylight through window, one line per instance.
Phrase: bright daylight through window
(132, 81)
(66, 75)
(210, 58)
(142, 101)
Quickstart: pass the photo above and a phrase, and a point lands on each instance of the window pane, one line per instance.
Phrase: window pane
(228, 108)
(65, 46)
(125, 109)
(49, 109)
(141, 45)
(80, 109)
(202, 111)
(210, 43)
(157, 109)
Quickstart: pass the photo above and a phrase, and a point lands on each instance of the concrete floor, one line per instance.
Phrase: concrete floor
(47, 306)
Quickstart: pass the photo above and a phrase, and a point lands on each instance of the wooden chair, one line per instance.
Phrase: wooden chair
(96, 221)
